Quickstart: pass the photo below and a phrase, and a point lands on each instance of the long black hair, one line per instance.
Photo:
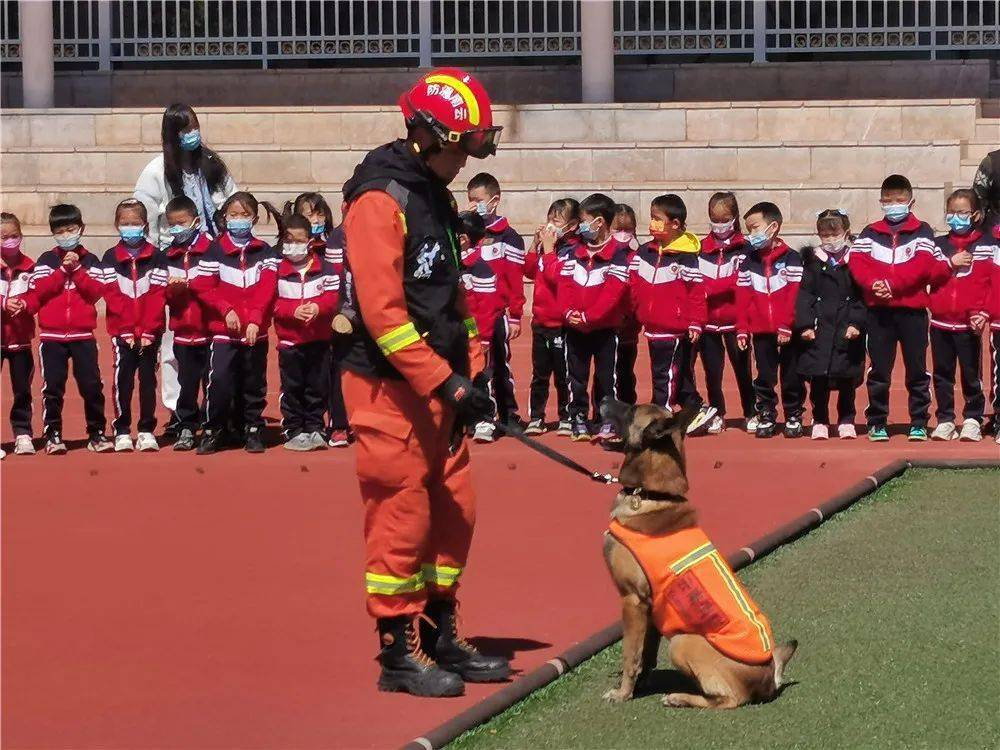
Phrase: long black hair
(176, 118)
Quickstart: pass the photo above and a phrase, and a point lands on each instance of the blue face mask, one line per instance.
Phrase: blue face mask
(959, 224)
(587, 231)
(132, 236)
(182, 235)
(759, 240)
(483, 209)
(318, 229)
(239, 229)
(190, 140)
(68, 241)
(896, 212)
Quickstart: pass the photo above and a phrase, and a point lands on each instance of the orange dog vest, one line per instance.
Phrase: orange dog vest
(696, 592)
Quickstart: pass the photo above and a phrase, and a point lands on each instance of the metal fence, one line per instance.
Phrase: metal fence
(136, 33)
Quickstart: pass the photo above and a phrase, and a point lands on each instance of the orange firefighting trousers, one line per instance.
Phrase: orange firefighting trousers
(696, 592)
(419, 503)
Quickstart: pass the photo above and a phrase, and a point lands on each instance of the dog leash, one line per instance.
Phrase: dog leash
(514, 431)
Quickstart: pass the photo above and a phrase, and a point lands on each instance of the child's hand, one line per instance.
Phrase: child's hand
(178, 281)
(71, 261)
(514, 330)
(129, 339)
(548, 240)
(809, 334)
(881, 289)
(961, 259)
(15, 305)
(574, 318)
(978, 322)
(742, 341)
(694, 335)
(783, 338)
(233, 321)
(850, 334)
(306, 312)
(144, 341)
(253, 330)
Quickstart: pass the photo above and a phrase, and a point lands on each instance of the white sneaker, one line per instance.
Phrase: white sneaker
(701, 419)
(972, 432)
(820, 432)
(752, 424)
(301, 442)
(3, 454)
(484, 432)
(944, 431)
(565, 428)
(54, 445)
(23, 446)
(716, 426)
(847, 432)
(123, 444)
(146, 441)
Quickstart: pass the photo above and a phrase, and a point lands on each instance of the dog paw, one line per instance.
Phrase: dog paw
(616, 695)
(673, 700)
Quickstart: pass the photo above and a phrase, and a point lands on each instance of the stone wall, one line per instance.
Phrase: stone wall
(713, 81)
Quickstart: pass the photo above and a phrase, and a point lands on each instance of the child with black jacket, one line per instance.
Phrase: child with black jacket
(830, 315)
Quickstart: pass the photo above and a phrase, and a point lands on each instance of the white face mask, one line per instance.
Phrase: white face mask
(296, 252)
(723, 229)
(833, 246)
(557, 231)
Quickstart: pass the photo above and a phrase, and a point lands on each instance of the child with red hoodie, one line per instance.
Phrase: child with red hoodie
(186, 316)
(592, 285)
(766, 290)
(503, 249)
(668, 298)
(722, 251)
(307, 295)
(64, 290)
(959, 314)
(237, 278)
(625, 226)
(135, 280)
(18, 330)
(894, 260)
(993, 308)
(553, 243)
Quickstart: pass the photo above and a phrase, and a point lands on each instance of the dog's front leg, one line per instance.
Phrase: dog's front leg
(635, 621)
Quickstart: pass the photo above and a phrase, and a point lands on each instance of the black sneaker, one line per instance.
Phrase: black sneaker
(793, 428)
(99, 443)
(254, 442)
(185, 440)
(209, 444)
(765, 429)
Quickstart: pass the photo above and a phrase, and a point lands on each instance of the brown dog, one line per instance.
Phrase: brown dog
(672, 580)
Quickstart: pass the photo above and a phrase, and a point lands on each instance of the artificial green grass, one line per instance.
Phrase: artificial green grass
(896, 607)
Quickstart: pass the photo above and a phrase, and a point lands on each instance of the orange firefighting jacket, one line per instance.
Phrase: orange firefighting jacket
(696, 592)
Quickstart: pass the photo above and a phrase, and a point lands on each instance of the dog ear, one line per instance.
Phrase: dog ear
(657, 431)
(616, 412)
(686, 416)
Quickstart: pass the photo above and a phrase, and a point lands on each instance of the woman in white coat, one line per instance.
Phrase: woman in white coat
(185, 167)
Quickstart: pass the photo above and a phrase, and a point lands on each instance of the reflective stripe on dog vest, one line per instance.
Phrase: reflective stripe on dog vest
(695, 591)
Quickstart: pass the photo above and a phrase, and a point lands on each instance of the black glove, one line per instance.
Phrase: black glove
(470, 399)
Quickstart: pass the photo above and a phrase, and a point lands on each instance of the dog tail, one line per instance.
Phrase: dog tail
(782, 655)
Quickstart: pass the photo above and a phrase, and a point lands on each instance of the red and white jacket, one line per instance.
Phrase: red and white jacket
(485, 292)
(243, 279)
(902, 255)
(993, 300)
(966, 292)
(503, 249)
(594, 284)
(719, 264)
(666, 288)
(543, 269)
(17, 330)
(766, 288)
(315, 282)
(65, 300)
(135, 291)
(187, 317)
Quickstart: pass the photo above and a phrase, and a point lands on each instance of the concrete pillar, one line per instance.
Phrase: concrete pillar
(597, 51)
(37, 59)
(425, 25)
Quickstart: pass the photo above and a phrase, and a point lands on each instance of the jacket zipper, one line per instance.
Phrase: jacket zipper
(649, 303)
(767, 288)
(135, 290)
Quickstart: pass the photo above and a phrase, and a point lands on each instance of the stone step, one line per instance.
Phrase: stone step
(934, 161)
(987, 130)
(525, 203)
(828, 121)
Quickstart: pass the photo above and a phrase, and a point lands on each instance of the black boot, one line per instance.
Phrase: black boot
(406, 668)
(254, 442)
(454, 653)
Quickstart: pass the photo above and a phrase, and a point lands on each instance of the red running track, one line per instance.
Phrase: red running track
(185, 602)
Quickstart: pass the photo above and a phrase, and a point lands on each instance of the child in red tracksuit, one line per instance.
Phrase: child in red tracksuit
(186, 316)
(592, 286)
(64, 290)
(668, 299)
(236, 282)
(959, 314)
(554, 242)
(894, 260)
(307, 294)
(722, 251)
(993, 308)
(18, 330)
(766, 290)
(503, 249)
(624, 227)
(135, 280)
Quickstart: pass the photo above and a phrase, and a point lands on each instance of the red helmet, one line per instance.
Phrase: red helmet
(455, 107)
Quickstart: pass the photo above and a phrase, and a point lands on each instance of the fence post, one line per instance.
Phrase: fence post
(263, 33)
(597, 51)
(933, 30)
(37, 55)
(425, 22)
(104, 35)
(760, 31)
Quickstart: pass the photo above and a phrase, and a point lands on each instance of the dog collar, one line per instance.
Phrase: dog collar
(638, 494)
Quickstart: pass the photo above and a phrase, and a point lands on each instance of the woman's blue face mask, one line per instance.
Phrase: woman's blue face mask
(190, 140)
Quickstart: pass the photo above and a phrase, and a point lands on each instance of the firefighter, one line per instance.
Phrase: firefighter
(412, 384)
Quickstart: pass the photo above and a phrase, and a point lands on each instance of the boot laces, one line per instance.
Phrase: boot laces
(413, 641)
(453, 624)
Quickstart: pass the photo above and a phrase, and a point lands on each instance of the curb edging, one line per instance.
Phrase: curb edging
(579, 652)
